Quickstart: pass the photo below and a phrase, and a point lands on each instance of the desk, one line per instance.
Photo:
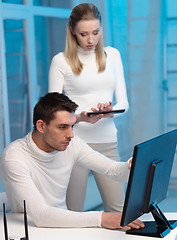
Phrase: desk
(16, 228)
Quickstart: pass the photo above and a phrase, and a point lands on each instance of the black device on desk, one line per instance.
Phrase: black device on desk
(148, 184)
(25, 224)
(106, 112)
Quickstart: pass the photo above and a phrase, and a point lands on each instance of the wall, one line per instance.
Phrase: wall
(118, 28)
(135, 28)
(145, 69)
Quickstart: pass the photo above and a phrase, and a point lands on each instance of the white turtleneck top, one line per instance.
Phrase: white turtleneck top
(91, 87)
(41, 179)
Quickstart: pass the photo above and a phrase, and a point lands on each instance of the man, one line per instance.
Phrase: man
(37, 168)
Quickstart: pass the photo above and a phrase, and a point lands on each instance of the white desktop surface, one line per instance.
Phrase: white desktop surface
(16, 229)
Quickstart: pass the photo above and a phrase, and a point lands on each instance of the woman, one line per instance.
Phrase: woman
(90, 75)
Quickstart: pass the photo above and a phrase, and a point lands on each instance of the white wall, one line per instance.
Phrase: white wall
(145, 68)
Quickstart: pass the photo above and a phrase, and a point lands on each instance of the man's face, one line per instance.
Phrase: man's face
(59, 132)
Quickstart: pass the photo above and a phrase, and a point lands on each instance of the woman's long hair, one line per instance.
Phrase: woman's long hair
(83, 11)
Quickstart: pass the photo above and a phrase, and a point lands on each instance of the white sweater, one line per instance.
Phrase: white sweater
(41, 179)
(89, 88)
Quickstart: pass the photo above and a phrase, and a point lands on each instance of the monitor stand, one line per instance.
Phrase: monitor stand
(158, 228)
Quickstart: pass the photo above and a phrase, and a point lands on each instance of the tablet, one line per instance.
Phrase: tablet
(106, 112)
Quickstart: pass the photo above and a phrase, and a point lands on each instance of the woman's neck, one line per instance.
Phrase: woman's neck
(85, 52)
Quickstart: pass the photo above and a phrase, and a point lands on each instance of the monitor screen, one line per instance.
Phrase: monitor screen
(149, 180)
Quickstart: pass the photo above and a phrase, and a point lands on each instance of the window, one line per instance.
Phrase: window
(25, 54)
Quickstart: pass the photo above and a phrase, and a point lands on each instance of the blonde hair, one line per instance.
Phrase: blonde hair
(83, 11)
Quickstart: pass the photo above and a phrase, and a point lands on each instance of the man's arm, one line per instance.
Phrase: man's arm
(20, 186)
(97, 162)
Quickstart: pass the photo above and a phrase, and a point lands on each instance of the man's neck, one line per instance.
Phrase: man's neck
(38, 140)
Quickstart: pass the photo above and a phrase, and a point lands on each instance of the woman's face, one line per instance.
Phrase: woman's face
(87, 33)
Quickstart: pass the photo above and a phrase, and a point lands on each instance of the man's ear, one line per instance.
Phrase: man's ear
(40, 125)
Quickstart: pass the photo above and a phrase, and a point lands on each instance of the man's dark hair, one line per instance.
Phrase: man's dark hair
(49, 104)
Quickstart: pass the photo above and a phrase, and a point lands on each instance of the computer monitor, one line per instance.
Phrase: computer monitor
(148, 184)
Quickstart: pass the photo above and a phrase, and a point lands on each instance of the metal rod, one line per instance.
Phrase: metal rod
(5, 223)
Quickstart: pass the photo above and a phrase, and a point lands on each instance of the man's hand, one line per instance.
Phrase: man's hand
(111, 220)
